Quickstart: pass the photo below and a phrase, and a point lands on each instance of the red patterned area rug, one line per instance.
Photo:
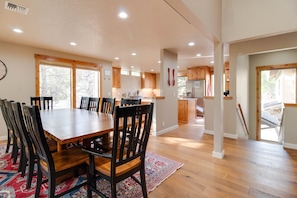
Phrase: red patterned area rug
(157, 168)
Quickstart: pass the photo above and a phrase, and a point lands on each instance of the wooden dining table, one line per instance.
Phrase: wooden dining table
(72, 125)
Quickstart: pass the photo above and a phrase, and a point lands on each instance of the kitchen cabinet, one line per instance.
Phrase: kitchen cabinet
(116, 77)
(186, 110)
(191, 74)
(198, 73)
(148, 80)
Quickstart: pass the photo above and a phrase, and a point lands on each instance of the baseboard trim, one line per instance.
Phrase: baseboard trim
(156, 133)
(226, 135)
(290, 146)
(208, 132)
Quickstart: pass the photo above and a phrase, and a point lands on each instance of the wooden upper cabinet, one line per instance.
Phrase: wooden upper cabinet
(192, 74)
(148, 80)
(116, 77)
(198, 73)
(201, 73)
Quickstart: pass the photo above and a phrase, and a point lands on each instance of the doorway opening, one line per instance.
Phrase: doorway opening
(278, 86)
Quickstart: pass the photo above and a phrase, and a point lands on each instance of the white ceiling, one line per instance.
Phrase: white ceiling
(152, 25)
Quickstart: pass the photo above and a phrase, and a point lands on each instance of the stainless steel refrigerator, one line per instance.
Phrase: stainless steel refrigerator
(195, 88)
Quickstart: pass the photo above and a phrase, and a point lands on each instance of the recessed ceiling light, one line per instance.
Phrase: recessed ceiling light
(191, 43)
(159, 61)
(132, 66)
(117, 58)
(17, 30)
(133, 54)
(123, 15)
(212, 62)
(72, 43)
(198, 54)
(152, 70)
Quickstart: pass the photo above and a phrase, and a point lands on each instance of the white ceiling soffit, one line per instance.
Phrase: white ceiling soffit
(16, 8)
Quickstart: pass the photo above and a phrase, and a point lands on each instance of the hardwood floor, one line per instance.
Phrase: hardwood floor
(249, 168)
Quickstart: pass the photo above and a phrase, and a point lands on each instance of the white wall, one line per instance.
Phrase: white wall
(166, 109)
(229, 129)
(242, 92)
(209, 12)
(245, 19)
(19, 84)
(289, 126)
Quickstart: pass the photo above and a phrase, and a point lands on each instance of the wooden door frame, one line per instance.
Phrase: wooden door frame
(258, 90)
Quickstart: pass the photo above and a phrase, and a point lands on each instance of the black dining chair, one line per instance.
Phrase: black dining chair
(47, 102)
(108, 105)
(52, 165)
(93, 104)
(28, 154)
(18, 138)
(126, 157)
(84, 101)
(36, 100)
(11, 140)
(130, 101)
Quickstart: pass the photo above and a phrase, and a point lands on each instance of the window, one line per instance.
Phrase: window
(134, 73)
(86, 84)
(125, 72)
(66, 80)
(182, 86)
(55, 81)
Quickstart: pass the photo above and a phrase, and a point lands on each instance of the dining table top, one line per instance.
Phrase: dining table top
(71, 125)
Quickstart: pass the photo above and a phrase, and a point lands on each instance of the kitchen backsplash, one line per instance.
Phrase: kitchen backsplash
(129, 87)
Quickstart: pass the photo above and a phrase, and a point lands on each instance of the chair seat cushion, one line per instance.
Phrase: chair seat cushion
(103, 165)
(67, 158)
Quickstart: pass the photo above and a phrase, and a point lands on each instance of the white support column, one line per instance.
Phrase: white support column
(218, 151)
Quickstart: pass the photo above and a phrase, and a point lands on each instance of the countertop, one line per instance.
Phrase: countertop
(187, 98)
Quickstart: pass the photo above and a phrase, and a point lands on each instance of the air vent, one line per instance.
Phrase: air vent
(16, 8)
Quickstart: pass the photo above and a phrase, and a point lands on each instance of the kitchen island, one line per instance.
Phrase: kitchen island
(186, 110)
